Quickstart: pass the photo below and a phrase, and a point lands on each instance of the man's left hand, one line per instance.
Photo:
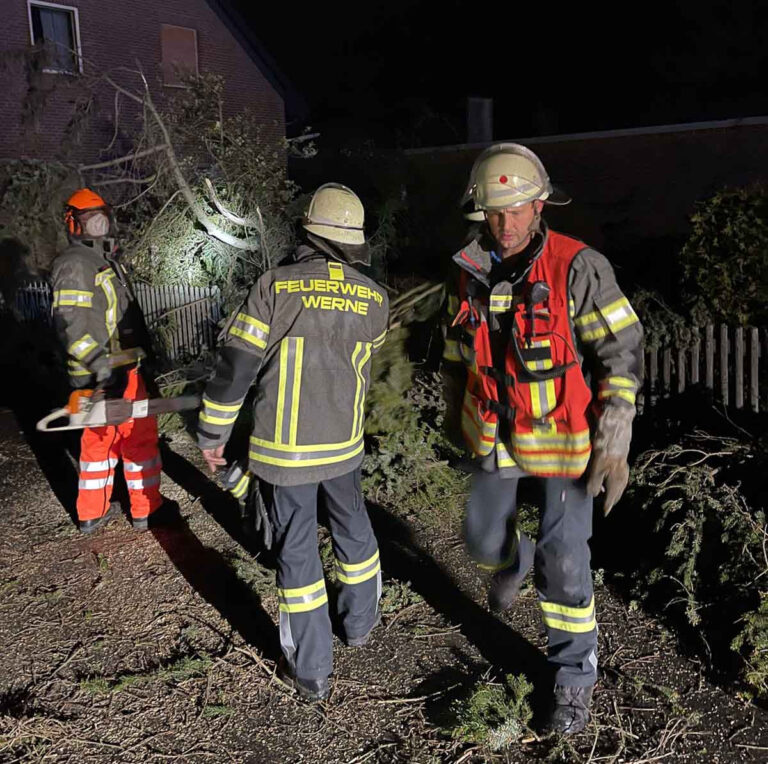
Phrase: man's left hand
(610, 474)
(214, 457)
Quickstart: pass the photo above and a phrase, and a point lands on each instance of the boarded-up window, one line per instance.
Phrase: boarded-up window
(179, 45)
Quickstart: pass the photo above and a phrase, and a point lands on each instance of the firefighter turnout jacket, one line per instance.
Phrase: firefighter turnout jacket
(95, 315)
(305, 333)
(535, 367)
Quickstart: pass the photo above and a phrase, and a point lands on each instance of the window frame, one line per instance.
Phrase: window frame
(73, 11)
(197, 55)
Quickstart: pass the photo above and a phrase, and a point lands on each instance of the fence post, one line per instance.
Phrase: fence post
(666, 371)
(724, 363)
(738, 392)
(709, 353)
(695, 357)
(653, 375)
(680, 370)
(754, 354)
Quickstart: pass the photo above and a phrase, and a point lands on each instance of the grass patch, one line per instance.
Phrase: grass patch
(494, 715)
(397, 595)
(176, 671)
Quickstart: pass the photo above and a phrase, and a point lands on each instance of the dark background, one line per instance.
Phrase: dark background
(398, 73)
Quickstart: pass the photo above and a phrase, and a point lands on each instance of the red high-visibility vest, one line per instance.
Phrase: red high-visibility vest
(549, 429)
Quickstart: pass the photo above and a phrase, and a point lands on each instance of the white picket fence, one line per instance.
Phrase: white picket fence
(183, 318)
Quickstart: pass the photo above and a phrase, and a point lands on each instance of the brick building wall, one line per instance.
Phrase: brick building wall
(115, 33)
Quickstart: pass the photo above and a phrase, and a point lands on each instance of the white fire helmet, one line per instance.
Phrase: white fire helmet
(336, 213)
(508, 175)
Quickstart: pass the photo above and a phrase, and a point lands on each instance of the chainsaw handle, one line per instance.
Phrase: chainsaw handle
(42, 425)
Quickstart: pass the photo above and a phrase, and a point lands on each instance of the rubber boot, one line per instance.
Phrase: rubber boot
(166, 514)
(311, 690)
(571, 709)
(89, 526)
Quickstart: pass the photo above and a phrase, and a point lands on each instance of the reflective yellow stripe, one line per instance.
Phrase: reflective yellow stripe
(351, 568)
(209, 404)
(535, 438)
(621, 381)
(588, 318)
(358, 579)
(281, 390)
(379, 341)
(571, 612)
(595, 334)
(451, 351)
(294, 421)
(357, 428)
(572, 628)
(302, 590)
(104, 280)
(303, 607)
(245, 318)
(278, 462)
(617, 326)
(358, 384)
(72, 297)
(248, 337)
(80, 348)
(241, 487)
(627, 395)
(204, 417)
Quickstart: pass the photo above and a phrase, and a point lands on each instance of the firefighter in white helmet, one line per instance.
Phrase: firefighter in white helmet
(305, 335)
(541, 367)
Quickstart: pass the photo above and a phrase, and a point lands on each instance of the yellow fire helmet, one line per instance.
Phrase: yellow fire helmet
(508, 175)
(336, 213)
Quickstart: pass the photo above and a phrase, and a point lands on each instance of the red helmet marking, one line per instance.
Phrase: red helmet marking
(503, 179)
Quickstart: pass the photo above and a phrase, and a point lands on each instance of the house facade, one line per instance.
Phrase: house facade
(53, 54)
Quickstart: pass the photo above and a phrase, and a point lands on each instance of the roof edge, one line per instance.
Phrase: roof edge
(601, 134)
(295, 103)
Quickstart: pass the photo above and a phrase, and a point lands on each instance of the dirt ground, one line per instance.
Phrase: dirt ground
(161, 646)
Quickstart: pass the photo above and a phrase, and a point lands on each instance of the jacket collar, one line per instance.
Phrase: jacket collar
(475, 258)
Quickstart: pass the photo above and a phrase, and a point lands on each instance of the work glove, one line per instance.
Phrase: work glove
(608, 469)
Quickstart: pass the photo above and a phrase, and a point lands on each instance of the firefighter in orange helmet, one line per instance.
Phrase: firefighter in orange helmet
(541, 367)
(100, 323)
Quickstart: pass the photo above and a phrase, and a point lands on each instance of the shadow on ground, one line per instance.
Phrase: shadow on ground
(506, 650)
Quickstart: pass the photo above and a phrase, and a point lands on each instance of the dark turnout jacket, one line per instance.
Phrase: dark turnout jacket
(305, 334)
(95, 315)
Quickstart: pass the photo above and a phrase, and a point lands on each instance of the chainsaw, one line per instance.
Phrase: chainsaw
(88, 408)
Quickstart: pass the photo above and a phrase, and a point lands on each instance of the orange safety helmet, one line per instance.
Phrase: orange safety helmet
(83, 200)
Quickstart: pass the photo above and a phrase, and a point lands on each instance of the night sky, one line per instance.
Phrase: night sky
(399, 72)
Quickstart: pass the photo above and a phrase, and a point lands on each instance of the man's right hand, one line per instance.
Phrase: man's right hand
(214, 457)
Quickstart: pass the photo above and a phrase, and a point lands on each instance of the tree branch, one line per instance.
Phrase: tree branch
(122, 160)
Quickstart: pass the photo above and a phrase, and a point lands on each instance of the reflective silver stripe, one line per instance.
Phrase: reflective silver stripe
(96, 483)
(575, 620)
(261, 451)
(220, 414)
(72, 298)
(289, 390)
(357, 573)
(107, 464)
(304, 598)
(140, 466)
(134, 485)
(250, 329)
(82, 347)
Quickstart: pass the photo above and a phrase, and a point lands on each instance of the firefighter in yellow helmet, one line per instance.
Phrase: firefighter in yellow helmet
(541, 367)
(105, 336)
(305, 335)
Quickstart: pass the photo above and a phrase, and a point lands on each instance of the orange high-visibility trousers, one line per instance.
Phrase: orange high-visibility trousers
(101, 447)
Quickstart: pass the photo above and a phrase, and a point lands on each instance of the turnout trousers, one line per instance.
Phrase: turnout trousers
(101, 448)
(560, 559)
(305, 626)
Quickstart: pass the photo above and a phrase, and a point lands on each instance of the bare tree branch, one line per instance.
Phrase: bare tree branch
(228, 214)
(123, 159)
(186, 191)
